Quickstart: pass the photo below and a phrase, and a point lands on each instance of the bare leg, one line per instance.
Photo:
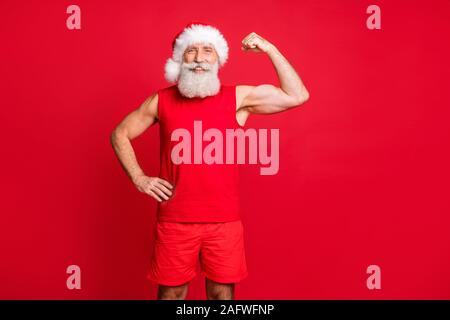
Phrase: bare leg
(219, 291)
(172, 292)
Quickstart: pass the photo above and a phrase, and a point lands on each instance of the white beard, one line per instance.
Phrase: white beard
(192, 84)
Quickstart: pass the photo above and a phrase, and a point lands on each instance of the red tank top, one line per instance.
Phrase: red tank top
(202, 192)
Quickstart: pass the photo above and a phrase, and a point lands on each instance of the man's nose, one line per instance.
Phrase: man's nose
(199, 57)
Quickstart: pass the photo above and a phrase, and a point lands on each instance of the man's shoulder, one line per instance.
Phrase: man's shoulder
(166, 91)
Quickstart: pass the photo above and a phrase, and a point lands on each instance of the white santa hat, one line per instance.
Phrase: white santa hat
(194, 32)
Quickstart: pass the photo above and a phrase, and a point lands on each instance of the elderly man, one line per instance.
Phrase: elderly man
(198, 203)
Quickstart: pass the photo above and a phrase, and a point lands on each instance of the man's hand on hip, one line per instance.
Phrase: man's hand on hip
(154, 186)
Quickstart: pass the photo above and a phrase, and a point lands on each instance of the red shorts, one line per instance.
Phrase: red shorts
(219, 246)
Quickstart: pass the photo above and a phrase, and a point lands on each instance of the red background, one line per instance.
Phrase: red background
(363, 164)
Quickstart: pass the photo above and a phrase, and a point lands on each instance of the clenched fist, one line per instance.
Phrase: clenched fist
(153, 186)
(256, 43)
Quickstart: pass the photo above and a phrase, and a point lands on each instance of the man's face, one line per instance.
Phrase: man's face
(200, 53)
(199, 71)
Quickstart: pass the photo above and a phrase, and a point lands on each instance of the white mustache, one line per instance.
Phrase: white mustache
(204, 65)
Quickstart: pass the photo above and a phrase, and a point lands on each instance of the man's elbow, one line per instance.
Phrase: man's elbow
(115, 136)
(299, 100)
(303, 97)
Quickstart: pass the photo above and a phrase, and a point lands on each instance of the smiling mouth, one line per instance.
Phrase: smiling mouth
(198, 69)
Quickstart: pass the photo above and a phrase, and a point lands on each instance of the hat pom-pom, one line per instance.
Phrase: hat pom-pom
(172, 70)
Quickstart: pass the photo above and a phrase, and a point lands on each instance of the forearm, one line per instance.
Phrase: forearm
(290, 81)
(126, 155)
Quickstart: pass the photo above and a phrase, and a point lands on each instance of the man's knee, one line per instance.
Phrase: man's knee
(172, 292)
(219, 291)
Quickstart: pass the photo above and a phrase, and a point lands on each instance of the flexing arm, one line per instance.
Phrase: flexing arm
(267, 98)
(133, 125)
